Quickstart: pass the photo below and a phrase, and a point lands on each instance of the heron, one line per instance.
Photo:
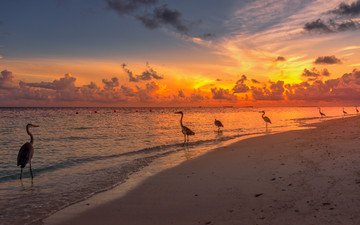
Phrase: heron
(218, 124)
(345, 113)
(265, 118)
(26, 152)
(357, 111)
(321, 113)
(185, 130)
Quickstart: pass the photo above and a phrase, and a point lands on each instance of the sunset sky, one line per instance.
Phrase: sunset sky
(179, 53)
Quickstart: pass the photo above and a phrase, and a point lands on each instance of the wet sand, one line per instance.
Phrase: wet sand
(298, 177)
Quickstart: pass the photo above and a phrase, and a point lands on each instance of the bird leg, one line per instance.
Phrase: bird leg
(32, 176)
(21, 173)
(184, 139)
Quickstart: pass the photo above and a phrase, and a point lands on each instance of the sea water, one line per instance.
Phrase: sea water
(82, 151)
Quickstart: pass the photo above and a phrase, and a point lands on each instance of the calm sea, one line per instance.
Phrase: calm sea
(79, 154)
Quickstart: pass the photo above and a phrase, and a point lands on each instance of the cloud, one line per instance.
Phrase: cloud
(197, 95)
(111, 84)
(327, 60)
(345, 88)
(318, 26)
(255, 81)
(124, 7)
(280, 59)
(181, 94)
(343, 21)
(160, 16)
(222, 94)
(164, 16)
(273, 92)
(65, 83)
(345, 9)
(240, 86)
(7, 80)
(314, 74)
(146, 75)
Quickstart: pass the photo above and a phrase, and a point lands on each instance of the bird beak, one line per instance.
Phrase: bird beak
(35, 125)
(177, 112)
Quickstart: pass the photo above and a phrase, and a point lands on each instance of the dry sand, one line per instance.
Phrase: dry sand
(297, 177)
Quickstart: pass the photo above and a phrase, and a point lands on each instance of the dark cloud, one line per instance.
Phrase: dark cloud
(222, 94)
(341, 22)
(164, 16)
(159, 15)
(280, 59)
(327, 60)
(240, 86)
(317, 26)
(124, 7)
(146, 75)
(331, 26)
(315, 74)
(345, 9)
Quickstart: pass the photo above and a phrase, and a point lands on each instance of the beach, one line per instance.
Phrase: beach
(307, 176)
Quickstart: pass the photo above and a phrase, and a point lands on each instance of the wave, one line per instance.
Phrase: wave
(143, 153)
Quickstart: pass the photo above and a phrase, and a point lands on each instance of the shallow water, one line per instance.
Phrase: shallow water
(77, 155)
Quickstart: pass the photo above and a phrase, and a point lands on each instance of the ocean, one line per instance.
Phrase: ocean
(82, 151)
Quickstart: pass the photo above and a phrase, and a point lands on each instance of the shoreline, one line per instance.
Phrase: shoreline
(123, 199)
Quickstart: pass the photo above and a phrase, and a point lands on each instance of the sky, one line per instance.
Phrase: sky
(179, 53)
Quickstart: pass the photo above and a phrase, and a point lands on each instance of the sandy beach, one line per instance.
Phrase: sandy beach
(298, 177)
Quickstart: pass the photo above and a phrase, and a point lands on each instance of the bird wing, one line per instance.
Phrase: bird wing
(267, 119)
(218, 123)
(24, 154)
(187, 131)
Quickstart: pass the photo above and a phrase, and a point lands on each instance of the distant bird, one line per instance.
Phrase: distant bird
(77, 113)
(26, 152)
(265, 118)
(345, 113)
(185, 130)
(321, 113)
(218, 124)
(95, 111)
(357, 111)
(114, 111)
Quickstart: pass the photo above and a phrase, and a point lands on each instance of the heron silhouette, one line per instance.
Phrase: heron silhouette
(218, 124)
(26, 152)
(357, 111)
(265, 118)
(321, 113)
(185, 130)
(345, 113)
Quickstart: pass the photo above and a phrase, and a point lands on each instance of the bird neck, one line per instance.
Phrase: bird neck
(263, 115)
(30, 134)
(181, 119)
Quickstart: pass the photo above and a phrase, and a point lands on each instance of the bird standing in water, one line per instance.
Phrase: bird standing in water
(321, 113)
(357, 111)
(265, 118)
(26, 152)
(218, 124)
(345, 113)
(185, 130)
